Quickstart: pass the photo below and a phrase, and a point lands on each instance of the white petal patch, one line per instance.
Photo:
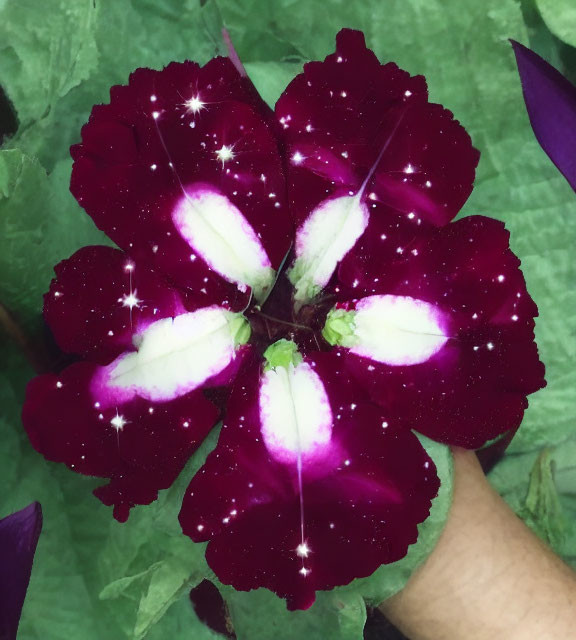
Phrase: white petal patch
(398, 330)
(295, 413)
(323, 239)
(174, 357)
(217, 230)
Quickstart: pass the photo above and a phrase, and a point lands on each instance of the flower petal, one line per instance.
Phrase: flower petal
(551, 104)
(174, 356)
(19, 533)
(312, 501)
(183, 170)
(458, 367)
(358, 129)
(101, 297)
(139, 444)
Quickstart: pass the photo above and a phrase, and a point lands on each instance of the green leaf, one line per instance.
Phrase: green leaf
(125, 35)
(542, 510)
(161, 563)
(560, 16)
(271, 78)
(119, 587)
(169, 582)
(255, 31)
(40, 224)
(59, 602)
(44, 52)
(260, 615)
(540, 38)
(541, 488)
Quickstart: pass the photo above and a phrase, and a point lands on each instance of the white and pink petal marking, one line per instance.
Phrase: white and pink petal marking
(325, 237)
(295, 413)
(174, 356)
(222, 236)
(398, 330)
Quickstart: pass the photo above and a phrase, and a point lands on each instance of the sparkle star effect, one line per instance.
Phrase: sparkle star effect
(194, 105)
(224, 154)
(118, 422)
(297, 158)
(131, 300)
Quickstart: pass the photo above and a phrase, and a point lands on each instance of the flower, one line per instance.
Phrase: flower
(19, 533)
(295, 273)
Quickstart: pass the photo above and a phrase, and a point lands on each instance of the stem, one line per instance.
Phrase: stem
(290, 324)
(234, 57)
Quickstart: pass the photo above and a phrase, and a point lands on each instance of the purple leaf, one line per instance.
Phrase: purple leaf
(19, 533)
(551, 105)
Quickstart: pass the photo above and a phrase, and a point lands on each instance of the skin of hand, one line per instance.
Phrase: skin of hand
(488, 578)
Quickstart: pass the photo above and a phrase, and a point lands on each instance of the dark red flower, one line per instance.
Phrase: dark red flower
(305, 272)
(308, 487)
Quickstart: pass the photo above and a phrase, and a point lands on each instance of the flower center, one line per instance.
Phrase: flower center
(278, 318)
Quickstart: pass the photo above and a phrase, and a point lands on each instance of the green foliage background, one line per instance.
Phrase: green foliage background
(94, 578)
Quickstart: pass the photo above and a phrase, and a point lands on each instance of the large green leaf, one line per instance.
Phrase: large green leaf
(260, 615)
(560, 16)
(541, 488)
(44, 52)
(124, 36)
(40, 224)
(271, 78)
(542, 509)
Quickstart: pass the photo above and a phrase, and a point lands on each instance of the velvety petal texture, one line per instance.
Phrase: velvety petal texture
(551, 104)
(182, 170)
(19, 533)
(308, 497)
(367, 153)
(451, 350)
(139, 444)
(101, 297)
